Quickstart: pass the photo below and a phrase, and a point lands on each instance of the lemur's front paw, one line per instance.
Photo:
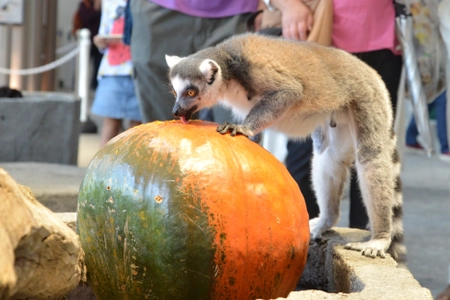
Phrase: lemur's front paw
(234, 129)
(372, 248)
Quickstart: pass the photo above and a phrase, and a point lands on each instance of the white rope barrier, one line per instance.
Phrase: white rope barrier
(44, 68)
(66, 48)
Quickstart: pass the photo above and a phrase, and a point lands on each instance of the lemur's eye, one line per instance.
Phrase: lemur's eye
(174, 93)
(191, 93)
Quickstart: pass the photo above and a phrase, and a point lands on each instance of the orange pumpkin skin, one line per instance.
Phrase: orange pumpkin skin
(237, 220)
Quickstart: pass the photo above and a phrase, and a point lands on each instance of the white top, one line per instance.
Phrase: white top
(116, 58)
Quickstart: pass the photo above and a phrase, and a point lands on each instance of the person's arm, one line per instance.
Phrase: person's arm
(297, 18)
(99, 41)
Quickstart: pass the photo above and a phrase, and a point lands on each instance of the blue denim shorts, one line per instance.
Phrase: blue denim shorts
(115, 98)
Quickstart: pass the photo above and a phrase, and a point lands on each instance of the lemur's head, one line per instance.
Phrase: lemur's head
(195, 84)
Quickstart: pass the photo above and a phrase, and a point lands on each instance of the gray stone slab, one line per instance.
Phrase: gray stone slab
(346, 274)
(41, 127)
(54, 185)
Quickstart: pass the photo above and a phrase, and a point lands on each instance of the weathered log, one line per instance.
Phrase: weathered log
(40, 256)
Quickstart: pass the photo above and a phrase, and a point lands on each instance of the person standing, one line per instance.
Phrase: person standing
(366, 28)
(444, 27)
(115, 97)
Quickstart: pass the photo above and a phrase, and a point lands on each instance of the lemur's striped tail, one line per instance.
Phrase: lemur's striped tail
(397, 249)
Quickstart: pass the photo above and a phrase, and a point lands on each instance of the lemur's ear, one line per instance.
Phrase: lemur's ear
(172, 60)
(209, 68)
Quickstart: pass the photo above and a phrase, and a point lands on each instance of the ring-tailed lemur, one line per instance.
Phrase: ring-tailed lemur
(301, 88)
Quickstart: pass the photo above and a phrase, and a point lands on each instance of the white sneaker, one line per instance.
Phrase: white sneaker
(445, 156)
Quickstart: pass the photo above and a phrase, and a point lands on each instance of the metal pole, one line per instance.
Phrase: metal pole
(399, 124)
(83, 71)
(18, 54)
(5, 52)
(33, 32)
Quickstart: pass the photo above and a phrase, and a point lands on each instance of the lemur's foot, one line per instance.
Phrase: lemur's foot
(372, 248)
(234, 129)
(316, 227)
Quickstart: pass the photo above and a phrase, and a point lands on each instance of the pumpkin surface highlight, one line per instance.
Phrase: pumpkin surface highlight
(178, 211)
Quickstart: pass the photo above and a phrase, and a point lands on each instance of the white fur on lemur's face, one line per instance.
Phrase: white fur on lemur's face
(194, 85)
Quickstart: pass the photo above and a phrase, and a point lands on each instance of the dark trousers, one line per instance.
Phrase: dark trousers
(96, 57)
(298, 163)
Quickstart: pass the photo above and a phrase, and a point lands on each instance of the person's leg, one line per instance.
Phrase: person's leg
(411, 133)
(96, 60)
(109, 100)
(133, 123)
(157, 31)
(440, 105)
(111, 128)
(444, 27)
(444, 11)
(358, 214)
(298, 162)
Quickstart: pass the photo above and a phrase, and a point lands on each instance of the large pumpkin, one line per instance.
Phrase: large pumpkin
(178, 211)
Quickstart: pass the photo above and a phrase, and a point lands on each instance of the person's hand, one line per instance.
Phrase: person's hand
(258, 19)
(297, 19)
(257, 22)
(100, 42)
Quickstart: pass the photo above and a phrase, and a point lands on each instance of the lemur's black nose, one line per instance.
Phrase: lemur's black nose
(176, 111)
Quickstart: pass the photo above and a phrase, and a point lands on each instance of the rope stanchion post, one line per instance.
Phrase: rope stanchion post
(83, 71)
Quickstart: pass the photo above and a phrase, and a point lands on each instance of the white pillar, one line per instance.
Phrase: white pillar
(5, 53)
(83, 71)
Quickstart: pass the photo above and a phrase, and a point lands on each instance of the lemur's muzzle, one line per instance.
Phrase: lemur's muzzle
(183, 113)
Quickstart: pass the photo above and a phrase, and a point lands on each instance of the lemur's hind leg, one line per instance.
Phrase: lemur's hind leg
(375, 168)
(376, 186)
(333, 154)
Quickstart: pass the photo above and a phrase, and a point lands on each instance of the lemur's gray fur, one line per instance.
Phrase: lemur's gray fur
(302, 89)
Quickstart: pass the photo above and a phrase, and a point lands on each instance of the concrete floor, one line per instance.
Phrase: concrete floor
(426, 185)
(426, 219)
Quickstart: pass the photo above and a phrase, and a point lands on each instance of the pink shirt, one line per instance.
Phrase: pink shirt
(363, 25)
(210, 8)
